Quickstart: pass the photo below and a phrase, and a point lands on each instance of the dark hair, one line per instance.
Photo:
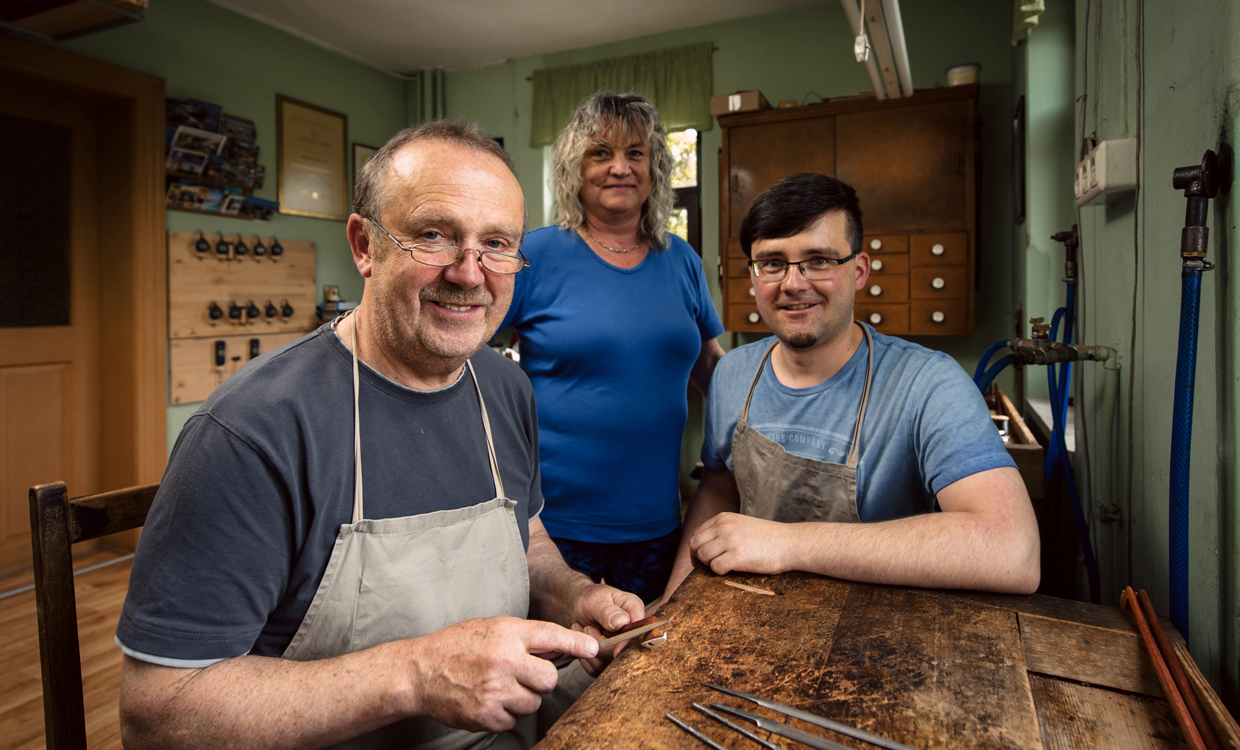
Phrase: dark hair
(796, 203)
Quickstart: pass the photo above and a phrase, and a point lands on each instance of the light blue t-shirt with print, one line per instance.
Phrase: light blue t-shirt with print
(926, 425)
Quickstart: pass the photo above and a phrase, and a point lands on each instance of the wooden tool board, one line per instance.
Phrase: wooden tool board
(195, 280)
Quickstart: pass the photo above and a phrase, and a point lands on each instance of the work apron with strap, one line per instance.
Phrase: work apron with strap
(395, 578)
(780, 486)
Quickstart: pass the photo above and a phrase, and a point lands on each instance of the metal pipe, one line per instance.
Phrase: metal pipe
(871, 67)
(899, 48)
(1104, 468)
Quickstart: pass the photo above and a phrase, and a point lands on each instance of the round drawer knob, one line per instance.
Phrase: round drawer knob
(876, 290)
(937, 316)
(937, 249)
(752, 293)
(875, 319)
(938, 282)
(754, 317)
(876, 244)
(876, 265)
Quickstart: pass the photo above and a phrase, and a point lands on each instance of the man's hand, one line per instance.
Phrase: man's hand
(481, 675)
(600, 608)
(731, 541)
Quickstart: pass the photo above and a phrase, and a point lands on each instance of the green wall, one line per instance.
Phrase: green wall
(799, 54)
(1042, 72)
(1180, 100)
(205, 51)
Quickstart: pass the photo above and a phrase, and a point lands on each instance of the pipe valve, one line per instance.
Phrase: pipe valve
(1200, 183)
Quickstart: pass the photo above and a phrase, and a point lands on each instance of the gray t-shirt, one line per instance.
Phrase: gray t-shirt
(261, 479)
(926, 425)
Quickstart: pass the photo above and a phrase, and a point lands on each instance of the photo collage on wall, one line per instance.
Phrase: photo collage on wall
(212, 162)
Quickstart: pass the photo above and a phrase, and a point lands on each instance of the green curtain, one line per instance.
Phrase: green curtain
(678, 81)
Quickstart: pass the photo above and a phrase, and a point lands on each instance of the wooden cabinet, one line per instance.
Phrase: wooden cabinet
(914, 165)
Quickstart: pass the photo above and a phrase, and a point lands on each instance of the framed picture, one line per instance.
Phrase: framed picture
(202, 141)
(361, 155)
(238, 128)
(310, 160)
(186, 162)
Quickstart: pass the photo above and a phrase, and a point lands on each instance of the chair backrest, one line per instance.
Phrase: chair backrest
(56, 523)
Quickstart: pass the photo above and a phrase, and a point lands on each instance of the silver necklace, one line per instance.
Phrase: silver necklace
(612, 249)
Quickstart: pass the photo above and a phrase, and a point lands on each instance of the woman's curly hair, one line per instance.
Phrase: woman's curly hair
(631, 117)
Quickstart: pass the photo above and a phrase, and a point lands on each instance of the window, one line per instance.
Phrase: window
(686, 219)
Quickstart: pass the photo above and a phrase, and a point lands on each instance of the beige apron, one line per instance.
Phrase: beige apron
(395, 578)
(779, 486)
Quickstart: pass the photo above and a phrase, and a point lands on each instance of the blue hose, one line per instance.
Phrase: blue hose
(985, 360)
(994, 371)
(1059, 386)
(1181, 444)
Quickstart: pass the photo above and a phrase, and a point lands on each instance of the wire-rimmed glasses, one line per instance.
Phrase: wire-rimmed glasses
(813, 269)
(441, 254)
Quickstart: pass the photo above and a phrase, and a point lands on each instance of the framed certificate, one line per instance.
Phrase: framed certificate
(311, 160)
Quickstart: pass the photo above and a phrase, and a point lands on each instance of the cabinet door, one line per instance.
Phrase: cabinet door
(909, 164)
(761, 155)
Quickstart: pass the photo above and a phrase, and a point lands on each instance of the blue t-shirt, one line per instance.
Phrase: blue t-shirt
(926, 425)
(609, 351)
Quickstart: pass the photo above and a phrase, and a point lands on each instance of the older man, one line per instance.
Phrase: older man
(831, 448)
(273, 602)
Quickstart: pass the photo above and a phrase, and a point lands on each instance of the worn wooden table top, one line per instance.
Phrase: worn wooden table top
(931, 669)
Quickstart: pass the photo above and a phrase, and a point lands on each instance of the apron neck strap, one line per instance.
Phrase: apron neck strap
(749, 396)
(358, 510)
(486, 426)
(854, 451)
(357, 431)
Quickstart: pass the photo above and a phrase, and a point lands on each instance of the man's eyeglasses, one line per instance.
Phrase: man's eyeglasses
(443, 253)
(817, 267)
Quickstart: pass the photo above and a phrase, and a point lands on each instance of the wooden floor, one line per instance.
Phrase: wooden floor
(100, 594)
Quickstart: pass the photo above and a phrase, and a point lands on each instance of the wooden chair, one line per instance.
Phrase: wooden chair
(56, 523)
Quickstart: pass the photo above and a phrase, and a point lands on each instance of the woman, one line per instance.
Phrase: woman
(615, 320)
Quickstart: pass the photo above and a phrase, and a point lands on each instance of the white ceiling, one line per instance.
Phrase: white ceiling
(403, 36)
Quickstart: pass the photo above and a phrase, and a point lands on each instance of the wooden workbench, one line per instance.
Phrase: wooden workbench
(931, 669)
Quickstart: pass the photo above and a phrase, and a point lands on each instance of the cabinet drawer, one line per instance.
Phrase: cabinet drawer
(939, 249)
(885, 243)
(742, 317)
(738, 268)
(939, 317)
(892, 288)
(939, 282)
(741, 290)
(886, 265)
(886, 318)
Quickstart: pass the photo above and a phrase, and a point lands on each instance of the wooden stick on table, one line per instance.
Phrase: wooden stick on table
(1220, 719)
(1177, 674)
(1182, 717)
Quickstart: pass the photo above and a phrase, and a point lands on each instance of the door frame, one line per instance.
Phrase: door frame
(133, 308)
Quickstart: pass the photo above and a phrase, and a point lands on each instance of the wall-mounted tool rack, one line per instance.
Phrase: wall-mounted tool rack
(230, 298)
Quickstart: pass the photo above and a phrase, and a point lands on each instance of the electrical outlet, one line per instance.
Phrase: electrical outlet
(1109, 170)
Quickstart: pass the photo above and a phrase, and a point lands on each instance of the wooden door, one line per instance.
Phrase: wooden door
(762, 154)
(49, 307)
(909, 165)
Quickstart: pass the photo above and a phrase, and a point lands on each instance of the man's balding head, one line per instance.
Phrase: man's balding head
(372, 187)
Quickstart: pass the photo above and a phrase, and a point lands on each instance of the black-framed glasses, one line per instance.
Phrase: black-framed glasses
(441, 254)
(817, 267)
